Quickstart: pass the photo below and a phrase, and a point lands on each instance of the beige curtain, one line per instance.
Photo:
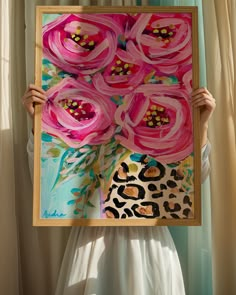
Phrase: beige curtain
(220, 34)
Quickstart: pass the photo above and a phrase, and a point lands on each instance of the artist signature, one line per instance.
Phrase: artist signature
(54, 214)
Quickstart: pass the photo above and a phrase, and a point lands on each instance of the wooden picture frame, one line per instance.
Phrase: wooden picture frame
(117, 143)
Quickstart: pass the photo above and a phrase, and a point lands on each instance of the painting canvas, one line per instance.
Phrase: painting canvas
(117, 142)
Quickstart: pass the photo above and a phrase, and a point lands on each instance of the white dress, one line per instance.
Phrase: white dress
(121, 260)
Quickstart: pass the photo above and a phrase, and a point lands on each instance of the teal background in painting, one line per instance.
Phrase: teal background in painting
(54, 199)
(47, 18)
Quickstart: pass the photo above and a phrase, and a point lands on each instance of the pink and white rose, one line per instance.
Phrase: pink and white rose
(161, 39)
(78, 114)
(121, 76)
(156, 120)
(81, 43)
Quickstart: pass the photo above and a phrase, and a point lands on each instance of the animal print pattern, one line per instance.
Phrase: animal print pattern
(145, 188)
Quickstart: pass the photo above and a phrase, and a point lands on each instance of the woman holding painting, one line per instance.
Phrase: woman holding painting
(123, 260)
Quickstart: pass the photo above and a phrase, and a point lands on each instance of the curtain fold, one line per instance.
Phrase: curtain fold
(220, 41)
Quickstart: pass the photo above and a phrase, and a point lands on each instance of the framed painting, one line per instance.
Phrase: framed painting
(117, 142)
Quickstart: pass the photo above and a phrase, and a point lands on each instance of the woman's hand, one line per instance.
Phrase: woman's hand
(33, 94)
(203, 99)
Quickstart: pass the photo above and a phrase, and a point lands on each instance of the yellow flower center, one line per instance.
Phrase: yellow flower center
(77, 109)
(84, 41)
(121, 68)
(156, 116)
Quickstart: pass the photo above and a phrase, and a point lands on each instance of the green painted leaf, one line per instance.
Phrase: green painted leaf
(172, 165)
(45, 87)
(46, 76)
(71, 202)
(151, 163)
(190, 172)
(45, 61)
(46, 137)
(91, 174)
(136, 157)
(174, 79)
(89, 204)
(75, 190)
(63, 145)
(117, 99)
(86, 181)
(54, 152)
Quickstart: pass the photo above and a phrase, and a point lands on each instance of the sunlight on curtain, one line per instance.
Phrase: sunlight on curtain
(220, 28)
(4, 66)
(194, 243)
(9, 270)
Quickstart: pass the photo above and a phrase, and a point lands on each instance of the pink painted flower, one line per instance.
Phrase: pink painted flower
(161, 39)
(121, 76)
(81, 43)
(156, 120)
(78, 114)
